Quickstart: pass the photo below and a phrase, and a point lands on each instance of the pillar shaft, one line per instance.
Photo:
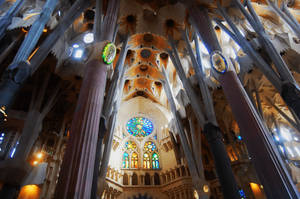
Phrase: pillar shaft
(222, 162)
(75, 180)
(273, 175)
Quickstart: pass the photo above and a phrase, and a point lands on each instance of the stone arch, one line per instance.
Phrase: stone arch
(125, 179)
(156, 179)
(134, 179)
(147, 179)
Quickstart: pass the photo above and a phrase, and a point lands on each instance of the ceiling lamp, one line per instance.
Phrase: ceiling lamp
(88, 38)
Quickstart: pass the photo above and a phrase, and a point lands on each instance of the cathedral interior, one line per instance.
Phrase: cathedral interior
(149, 99)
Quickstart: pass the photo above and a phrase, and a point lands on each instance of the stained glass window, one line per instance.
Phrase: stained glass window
(130, 145)
(149, 146)
(155, 161)
(134, 160)
(139, 127)
(146, 162)
(125, 160)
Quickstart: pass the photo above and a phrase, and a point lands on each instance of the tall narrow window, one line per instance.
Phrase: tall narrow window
(2, 135)
(134, 160)
(125, 160)
(146, 162)
(155, 161)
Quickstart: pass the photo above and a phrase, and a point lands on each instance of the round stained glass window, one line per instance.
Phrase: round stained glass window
(130, 145)
(149, 146)
(139, 127)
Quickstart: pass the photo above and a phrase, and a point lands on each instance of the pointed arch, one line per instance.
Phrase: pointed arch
(156, 179)
(147, 179)
(125, 179)
(134, 179)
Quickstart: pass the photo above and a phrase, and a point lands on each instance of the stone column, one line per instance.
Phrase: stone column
(75, 180)
(273, 175)
(76, 176)
(130, 179)
(222, 162)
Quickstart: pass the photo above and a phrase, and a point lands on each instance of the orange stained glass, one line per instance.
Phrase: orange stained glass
(134, 160)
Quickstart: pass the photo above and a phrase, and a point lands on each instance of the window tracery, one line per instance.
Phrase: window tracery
(149, 146)
(130, 145)
(139, 127)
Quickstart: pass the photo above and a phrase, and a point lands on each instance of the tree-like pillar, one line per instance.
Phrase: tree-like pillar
(270, 169)
(222, 162)
(76, 175)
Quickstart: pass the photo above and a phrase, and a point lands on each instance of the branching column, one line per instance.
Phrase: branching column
(75, 180)
(76, 175)
(273, 175)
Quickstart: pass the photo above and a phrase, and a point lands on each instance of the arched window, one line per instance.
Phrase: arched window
(147, 179)
(155, 161)
(156, 179)
(134, 179)
(146, 162)
(134, 160)
(125, 179)
(125, 160)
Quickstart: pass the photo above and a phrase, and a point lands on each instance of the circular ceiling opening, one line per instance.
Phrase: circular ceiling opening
(145, 53)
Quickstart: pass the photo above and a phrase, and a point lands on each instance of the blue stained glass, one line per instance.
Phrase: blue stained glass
(242, 194)
(125, 160)
(139, 127)
(149, 146)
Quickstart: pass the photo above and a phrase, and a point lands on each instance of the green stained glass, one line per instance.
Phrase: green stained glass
(139, 127)
(155, 161)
